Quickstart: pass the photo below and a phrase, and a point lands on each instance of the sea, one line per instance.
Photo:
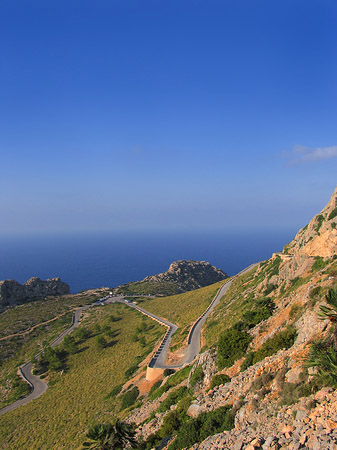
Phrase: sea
(93, 260)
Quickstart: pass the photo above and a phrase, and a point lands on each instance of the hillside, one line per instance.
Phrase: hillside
(182, 276)
(265, 377)
(267, 374)
(13, 293)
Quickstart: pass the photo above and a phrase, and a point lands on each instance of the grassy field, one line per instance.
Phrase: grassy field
(77, 398)
(230, 308)
(182, 309)
(27, 319)
(148, 287)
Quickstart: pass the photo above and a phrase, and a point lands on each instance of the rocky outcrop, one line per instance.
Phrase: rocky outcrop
(13, 293)
(189, 275)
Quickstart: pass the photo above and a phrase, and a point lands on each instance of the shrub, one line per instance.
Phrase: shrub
(174, 379)
(319, 264)
(248, 361)
(130, 371)
(206, 424)
(196, 377)
(320, 220)
(114, 392)
(219, 379)
(270, 288)
(129, 398)
(323, 356)
(292, 392)
(232, 345)
(274, 267)
(315, 292)
(333, 214)
(263, 308)
(171, 424)
(70, 345)
(172, 399)
(295, 310)
(283, 339)
(82, 333)
(168, 372)
(100, 342)
(154, 387)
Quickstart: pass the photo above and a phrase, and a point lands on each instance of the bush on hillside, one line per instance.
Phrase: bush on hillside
(283, 339)
(219, 379)
(196, 377)
(206, 424)
(129, 398)
(173, 398)
(232, 345)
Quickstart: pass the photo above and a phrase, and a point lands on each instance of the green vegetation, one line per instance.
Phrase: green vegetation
(240, 308)
(129, 398)
(114, 392)
(82, 391)
(183, 309)
(232, 345)
(273, 267)
(219, 379)
(206, 424)
(320, 220)
(323, 356)
(149, 288)
(319, 264)
(196, 377)
(262, 309)
(174, 380)
(283, 339)
(333, 214)
(173, 398)
(107, 436)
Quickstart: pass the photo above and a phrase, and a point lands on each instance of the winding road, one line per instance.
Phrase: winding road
(39, 387)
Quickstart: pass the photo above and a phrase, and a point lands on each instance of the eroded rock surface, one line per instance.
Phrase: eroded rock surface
(13, 293)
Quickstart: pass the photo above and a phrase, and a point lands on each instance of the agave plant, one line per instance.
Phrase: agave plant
(323, 356)
(106, 436)
(330, 312)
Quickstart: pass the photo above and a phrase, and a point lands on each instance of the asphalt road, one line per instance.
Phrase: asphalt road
(193, 347)
(39, 387)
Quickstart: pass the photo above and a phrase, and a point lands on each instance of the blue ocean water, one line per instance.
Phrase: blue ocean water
(109, 259)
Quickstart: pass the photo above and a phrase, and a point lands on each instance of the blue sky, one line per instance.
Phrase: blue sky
(162, 115)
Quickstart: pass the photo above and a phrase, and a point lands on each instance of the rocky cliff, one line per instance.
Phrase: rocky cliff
(189, 275)
(182, 276)
(281, 387)
(13, 293)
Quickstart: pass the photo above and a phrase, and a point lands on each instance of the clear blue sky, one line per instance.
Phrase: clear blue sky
(166, 114)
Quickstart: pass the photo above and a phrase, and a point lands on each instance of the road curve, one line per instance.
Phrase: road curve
(193, 347)
(38, 386)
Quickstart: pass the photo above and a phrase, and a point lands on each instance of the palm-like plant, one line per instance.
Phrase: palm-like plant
(330, 312)
(110, 437)
(324, 357)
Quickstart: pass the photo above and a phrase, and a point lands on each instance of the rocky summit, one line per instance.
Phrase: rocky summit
(270, 359)
(189, 275)
(13, 293)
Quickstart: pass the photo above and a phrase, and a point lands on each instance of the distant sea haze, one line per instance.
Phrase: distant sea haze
(94, 260)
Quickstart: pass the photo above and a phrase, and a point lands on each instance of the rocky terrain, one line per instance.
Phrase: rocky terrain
(182, 276)
(280, 395)
(13, 293)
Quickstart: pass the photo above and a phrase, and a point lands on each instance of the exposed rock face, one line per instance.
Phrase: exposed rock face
(189, 275)
(276, 406)
(13, 293)
(319, 237)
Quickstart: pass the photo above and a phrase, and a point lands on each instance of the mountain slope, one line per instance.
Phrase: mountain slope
(257, 342)
(182, 276)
